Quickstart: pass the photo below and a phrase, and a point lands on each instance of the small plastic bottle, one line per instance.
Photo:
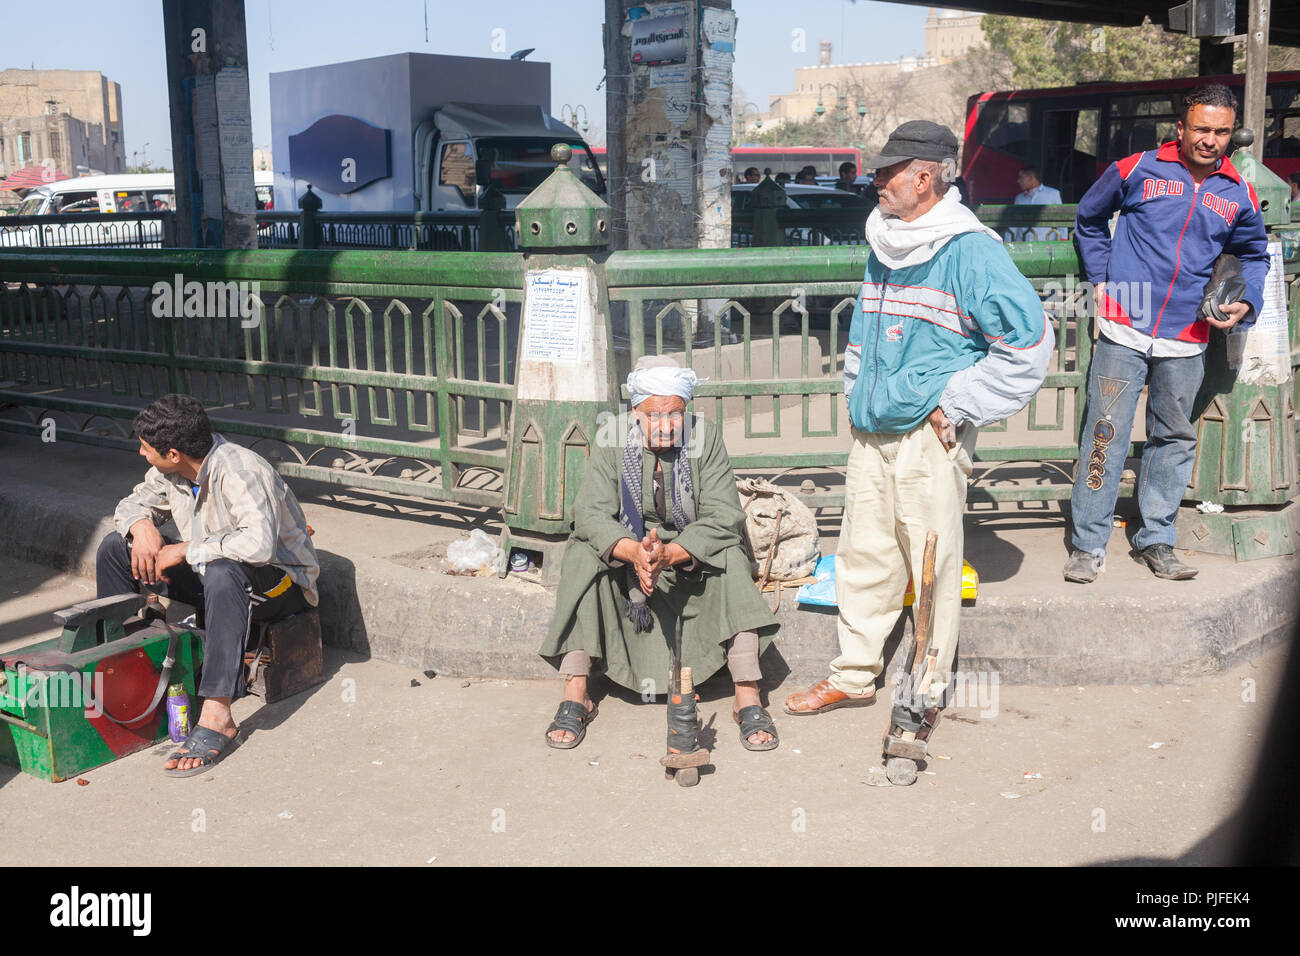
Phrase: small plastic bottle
(178, 712)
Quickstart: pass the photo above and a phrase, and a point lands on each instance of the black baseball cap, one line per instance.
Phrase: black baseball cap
(918, 139)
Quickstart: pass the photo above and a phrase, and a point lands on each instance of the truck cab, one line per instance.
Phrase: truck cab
(515, 140)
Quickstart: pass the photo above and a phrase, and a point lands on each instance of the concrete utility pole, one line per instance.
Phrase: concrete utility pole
(669, 122)
(211, 123)
(1256, 74)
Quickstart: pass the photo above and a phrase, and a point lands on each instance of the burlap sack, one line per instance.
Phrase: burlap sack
(774, 514)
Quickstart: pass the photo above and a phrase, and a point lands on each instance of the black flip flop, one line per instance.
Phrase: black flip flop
(205, 745)
(754, 719)
(573, 717)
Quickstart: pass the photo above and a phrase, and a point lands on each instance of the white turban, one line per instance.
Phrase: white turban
(660, 375)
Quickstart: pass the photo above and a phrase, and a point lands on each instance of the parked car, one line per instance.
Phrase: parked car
(861, 185)
(797, 197)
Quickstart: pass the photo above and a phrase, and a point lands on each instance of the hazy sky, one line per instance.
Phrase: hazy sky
(123, 40)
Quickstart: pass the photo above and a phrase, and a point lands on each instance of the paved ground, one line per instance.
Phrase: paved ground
(368, 769)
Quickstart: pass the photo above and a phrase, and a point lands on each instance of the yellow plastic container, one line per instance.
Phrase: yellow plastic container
(970, 585)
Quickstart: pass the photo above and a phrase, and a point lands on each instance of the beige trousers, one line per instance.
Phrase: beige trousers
(897, 488)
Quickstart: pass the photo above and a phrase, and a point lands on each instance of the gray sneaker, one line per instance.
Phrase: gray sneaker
(1162, 561)
(1082, 568)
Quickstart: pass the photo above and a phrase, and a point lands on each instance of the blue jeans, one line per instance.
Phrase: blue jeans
(1115, 381)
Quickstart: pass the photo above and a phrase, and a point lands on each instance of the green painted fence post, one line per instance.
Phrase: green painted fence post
(565, 384)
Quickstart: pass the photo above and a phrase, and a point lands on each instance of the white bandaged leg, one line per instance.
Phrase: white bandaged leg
(742, 657)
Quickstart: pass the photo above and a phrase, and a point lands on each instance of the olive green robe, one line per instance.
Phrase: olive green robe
(716, 600)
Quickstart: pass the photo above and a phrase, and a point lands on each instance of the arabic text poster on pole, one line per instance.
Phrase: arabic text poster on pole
(670, 76)
(677, 104)
(716, 163)
(679, 172)
(719, 28)
(553, 315)
(1262, 354)
(235, 135)
(659, 40)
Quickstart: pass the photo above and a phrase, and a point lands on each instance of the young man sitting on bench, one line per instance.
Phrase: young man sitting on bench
(244, 554)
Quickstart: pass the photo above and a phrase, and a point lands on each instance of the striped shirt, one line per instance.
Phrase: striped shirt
(243, 511)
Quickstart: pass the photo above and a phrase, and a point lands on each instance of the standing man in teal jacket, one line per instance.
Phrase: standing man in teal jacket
(946, 336)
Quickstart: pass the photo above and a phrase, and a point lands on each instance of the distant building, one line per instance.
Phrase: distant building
(74, 106)
(951, 33)
(60, 141)
(841, 88)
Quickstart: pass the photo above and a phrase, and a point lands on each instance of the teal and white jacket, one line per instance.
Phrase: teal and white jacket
(943, 319)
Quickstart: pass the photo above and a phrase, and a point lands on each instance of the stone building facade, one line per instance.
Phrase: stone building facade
(863, 97)
(80, 109)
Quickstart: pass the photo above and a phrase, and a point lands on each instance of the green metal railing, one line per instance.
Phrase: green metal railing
(1030, 223)
(394, 371)
(363, 371)
(779, 344)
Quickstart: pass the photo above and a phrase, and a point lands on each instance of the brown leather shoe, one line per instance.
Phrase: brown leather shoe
(821, 697)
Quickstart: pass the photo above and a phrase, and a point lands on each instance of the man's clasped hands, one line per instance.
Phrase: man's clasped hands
(650, 557)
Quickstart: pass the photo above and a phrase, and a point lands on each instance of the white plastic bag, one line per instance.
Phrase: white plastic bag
(477, 551)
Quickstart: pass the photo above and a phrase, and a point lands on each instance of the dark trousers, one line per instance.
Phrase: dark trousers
(231, 595)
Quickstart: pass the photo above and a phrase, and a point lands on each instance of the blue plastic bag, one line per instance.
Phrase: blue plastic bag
(822, 591)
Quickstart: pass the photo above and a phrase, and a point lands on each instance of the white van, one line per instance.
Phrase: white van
(148, 192)
(123, 192)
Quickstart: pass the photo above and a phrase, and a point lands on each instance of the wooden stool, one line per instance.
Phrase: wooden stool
(286, 658)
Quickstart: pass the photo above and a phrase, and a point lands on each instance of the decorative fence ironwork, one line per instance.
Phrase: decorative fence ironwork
(394, 371)
(359, 369)
(1026, 223)
(121, 230)
(768, 327)
(427, 232)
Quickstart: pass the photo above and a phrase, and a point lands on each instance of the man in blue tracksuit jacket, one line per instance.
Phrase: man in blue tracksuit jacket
(1180, 207)
(946, 336)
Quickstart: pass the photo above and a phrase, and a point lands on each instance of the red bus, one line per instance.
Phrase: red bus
(1073, 133)
(779, 159)
(791, 159)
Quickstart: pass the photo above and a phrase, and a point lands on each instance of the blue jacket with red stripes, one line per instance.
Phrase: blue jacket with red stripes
(1169, 233)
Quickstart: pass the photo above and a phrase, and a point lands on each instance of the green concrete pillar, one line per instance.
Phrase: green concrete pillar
(564, 374)
(1246, 425)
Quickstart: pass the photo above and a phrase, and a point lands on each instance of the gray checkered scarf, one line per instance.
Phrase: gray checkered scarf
(681, 502)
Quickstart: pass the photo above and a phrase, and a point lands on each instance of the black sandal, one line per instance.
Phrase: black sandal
(754, 719)
(573, 717)
(206, 746)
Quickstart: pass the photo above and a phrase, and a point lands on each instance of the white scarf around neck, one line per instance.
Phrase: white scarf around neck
(899, 244)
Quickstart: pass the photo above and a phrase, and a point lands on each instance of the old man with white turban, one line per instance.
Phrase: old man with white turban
(658, 535)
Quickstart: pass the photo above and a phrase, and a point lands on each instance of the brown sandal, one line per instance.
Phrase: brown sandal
(821, 697)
